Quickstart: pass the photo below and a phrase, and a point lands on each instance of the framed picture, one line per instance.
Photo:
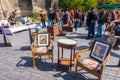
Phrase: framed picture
(100, 50)
(43, 39)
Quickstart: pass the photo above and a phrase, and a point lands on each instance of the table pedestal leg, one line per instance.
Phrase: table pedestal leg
(119, 63)
(5, 38)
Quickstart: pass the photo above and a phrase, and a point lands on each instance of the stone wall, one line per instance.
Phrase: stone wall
(25, 7)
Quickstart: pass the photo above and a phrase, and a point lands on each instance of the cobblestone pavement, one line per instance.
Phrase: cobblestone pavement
(16, 61)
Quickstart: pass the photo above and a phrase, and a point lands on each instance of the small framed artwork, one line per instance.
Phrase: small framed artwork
(100, 50)
(43, 39)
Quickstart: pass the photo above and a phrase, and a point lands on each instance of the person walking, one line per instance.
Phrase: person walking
(57, 17)
(91, 19)
(76, 19)
(51, 14)
(43, 16)
(101, 21)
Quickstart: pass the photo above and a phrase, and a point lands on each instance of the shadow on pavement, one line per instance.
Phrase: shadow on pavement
(44, 65)
(25, 48)
(3, 45)
(81, 47)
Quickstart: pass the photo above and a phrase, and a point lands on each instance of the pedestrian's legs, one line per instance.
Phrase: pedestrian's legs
(80, 23)
(76, 25)
(49, 22)
(89, 31)
(58, 23)
(93, 30)
(99, 31)
(43, 23)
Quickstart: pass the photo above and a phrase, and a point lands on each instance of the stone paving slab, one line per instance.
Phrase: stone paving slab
(16, 61)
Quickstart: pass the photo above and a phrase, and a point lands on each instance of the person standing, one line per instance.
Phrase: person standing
(5, 15)
(91, 19)
(51, 14)
(57, 17)
(12, 17)
(76, 19)
(101, 21)
(43, 16)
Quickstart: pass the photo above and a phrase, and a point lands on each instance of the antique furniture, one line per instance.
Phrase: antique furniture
(5, 38)
(41, 46)
(69, 44)
(53, 30)
(30, 36)
(66, 29)
(95, 63)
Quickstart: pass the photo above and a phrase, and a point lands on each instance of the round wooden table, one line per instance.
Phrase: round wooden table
(69, 44)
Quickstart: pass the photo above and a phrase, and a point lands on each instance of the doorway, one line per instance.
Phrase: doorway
(25, 7)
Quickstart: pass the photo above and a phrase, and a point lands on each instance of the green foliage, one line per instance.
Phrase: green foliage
(46, 18)
(36, 16)
(70, 3)
(89, 4)
(80, 4)
(100, 2)
(85, 5)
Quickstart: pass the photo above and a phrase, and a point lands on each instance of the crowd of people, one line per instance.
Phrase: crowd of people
(74, 17)
(77, 18)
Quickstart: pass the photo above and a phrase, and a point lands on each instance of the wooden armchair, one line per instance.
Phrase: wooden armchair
(42, 46)
(95, 64)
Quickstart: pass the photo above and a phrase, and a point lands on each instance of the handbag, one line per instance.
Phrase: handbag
(117, 30)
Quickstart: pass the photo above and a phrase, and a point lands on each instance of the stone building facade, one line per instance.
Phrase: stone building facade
(26, 7)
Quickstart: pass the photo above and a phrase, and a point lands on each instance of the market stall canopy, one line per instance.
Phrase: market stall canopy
(109, 6)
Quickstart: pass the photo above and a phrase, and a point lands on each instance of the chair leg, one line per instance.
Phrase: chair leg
(75, 73)
(49, 56)
(34, 64)
(52, 59)
(99, 78)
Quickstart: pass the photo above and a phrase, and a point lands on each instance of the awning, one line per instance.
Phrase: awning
(109, 6)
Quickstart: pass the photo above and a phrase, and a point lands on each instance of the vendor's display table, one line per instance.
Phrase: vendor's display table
(69, 44)
(18, 28)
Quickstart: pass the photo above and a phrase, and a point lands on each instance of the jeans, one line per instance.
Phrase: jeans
(80, 23)
(76, 25)
(91, 30)
(49, 22)
(43, 23)
(58, 23)
(99, 31)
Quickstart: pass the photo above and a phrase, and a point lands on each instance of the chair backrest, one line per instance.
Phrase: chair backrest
(100, 50)
(43, 39)
(30, 36)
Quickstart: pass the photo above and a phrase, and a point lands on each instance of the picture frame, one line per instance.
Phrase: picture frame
(43, 39)
(100, 50)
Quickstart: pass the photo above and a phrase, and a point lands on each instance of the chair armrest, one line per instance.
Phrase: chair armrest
(103, 64)
(106, 59)
(81, 51)
(52, 44)
(32, 45)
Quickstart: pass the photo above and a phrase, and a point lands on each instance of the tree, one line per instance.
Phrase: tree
(80, 4)
(100, 2)
(89, 3)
